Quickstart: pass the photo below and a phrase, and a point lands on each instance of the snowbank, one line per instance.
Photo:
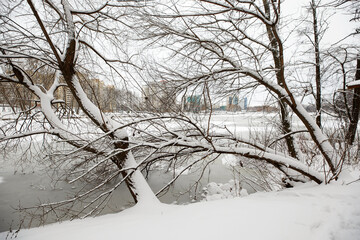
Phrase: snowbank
(215, 191)
(306, 212)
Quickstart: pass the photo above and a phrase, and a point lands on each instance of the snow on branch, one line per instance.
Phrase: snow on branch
(25, 134)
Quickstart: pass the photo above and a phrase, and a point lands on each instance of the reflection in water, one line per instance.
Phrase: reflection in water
(32, 188)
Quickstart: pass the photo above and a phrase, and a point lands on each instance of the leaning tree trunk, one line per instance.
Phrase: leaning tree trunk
(279, 66)
(136, 183)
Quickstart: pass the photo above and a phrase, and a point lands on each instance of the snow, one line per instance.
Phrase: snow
(1, 179)
(230, 160)
(216, 191)
(142, 188)
(308, 211)
(354, 83)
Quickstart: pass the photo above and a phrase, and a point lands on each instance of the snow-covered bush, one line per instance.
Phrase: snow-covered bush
(215, 191)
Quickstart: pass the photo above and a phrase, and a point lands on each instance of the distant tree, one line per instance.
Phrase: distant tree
(312, 61)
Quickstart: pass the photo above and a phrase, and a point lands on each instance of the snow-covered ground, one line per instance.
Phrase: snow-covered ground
(307, 212)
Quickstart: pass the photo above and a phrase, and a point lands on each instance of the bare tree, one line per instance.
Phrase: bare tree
(354, 7)
(355, 108)
(316, 43)
(317, 17)
(280, 75)
(217, 48)
(65, 39)
(229, 46)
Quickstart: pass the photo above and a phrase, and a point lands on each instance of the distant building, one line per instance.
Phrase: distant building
(243, 104)
(196, 103)
(103, 96)
(192, 103)
(159, 97)
(264, 108)
(233, 103)
(153, 95)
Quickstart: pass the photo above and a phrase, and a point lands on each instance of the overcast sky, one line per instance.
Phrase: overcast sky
(339, 27)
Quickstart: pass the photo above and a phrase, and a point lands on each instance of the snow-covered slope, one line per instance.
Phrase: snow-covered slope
(305, 212)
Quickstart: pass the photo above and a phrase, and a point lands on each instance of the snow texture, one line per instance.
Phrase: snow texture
(216, 191)
(308, 211)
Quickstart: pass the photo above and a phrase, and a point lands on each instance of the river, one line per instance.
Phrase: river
(29, 185)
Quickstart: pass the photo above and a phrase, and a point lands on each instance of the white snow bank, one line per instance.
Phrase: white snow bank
(216, 191)
(306, 212)
(1, 179)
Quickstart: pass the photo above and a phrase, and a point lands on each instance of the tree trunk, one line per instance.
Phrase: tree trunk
(134, 179)
(317, 64)
(284, 114)
(350, 136)
(286, 128)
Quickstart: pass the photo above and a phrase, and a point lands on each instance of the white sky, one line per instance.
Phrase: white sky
(339, 27)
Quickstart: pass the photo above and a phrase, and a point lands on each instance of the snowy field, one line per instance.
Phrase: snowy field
(306, 212)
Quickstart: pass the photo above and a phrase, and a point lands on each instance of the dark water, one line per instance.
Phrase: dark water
(30, 188)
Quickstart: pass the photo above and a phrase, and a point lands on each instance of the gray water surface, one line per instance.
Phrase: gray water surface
(28, 186)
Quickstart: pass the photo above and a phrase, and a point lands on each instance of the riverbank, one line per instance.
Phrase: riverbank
(307, 211)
